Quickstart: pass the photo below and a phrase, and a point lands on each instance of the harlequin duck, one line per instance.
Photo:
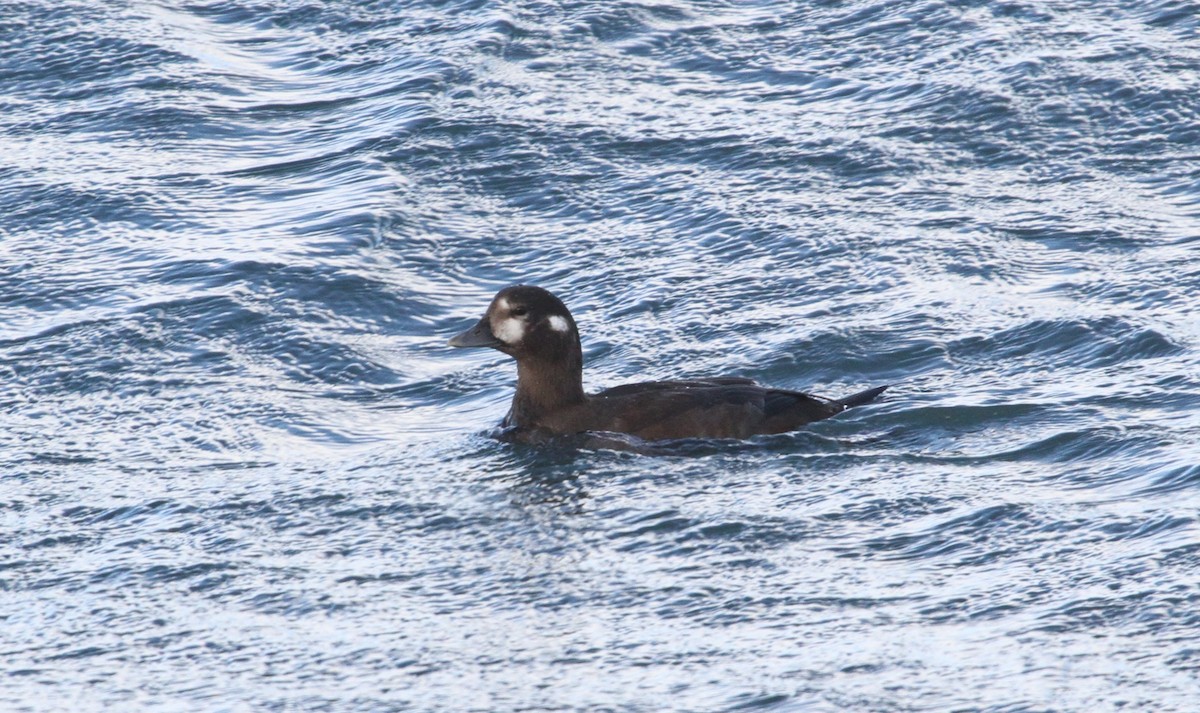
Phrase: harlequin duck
(535, 328)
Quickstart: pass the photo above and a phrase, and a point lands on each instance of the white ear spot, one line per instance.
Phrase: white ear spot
(510, 330)
(559, 323)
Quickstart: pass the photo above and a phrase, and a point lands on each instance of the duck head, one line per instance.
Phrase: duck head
(527, 323)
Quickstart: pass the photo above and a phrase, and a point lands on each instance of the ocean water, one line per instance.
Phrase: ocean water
(241, 471)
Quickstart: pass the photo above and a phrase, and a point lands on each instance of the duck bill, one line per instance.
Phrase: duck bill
(478, 336)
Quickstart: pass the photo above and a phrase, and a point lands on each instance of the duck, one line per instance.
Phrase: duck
(534, 327)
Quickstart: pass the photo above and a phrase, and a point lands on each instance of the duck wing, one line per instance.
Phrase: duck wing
(722, 407)
(659, 386)
(709, 408)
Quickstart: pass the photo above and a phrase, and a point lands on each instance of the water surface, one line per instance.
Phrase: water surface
(241, 470)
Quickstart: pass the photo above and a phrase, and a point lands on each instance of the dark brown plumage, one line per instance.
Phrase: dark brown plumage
(535, 328)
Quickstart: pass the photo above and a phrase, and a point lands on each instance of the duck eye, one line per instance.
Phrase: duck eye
(519, 311)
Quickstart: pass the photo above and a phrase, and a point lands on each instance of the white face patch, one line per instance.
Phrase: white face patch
(502, 303)
(510, 330)
(559, 323)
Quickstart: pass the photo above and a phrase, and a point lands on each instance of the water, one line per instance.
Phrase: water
(242, 472)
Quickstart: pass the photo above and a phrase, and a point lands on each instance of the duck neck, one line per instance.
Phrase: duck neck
(545, 386)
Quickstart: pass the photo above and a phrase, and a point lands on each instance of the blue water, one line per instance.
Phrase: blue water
(241, 471)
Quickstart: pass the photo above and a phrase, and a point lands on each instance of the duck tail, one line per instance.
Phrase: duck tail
(862, 397)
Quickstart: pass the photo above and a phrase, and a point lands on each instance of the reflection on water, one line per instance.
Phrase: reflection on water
(243, 469)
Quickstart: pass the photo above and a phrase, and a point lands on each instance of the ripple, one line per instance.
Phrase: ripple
(1094, 344)
(1183, 478)
(245, 466)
